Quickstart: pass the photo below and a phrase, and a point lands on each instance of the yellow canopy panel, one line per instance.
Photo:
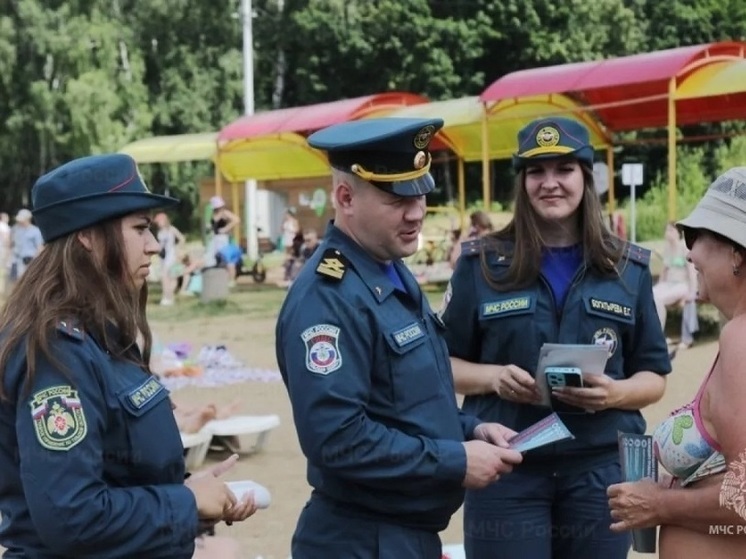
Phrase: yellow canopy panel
(714, 79)
(508, 116)
(173, 149)
(462, 130)
(274, 157)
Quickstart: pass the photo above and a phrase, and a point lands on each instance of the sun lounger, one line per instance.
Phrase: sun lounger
(242, 434)
(454, 551)
(196, 446)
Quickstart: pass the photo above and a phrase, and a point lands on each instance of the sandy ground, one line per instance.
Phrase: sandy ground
(281, 466)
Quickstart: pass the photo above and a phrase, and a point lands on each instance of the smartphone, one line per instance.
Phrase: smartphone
(558, 377)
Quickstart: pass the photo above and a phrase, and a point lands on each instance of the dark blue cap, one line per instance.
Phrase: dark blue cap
(391, 153)
(550, 138)
(90, 190)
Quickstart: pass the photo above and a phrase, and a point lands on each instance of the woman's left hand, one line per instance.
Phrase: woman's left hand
(599, 392)
(634, 505)
(241, 510)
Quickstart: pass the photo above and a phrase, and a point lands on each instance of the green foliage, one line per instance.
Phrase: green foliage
(88, 76)
(694, 173)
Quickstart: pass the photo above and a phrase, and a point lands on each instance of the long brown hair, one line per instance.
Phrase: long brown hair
(67, 282)
(521, 239)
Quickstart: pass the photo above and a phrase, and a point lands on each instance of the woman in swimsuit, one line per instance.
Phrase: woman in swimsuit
(700, 508)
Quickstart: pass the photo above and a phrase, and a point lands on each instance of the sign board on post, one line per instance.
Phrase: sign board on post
(632, 177)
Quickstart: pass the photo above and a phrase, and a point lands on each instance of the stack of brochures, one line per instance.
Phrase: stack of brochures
(639, 462)
(546, 431)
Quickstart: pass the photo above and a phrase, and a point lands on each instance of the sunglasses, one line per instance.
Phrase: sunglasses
(690, 235)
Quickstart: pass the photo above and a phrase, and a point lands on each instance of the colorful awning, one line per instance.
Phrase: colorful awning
(303, 120)
(173, 149)
(631, 92)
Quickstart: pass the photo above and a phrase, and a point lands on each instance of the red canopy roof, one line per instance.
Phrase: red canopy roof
(304, 120)
(630, 92)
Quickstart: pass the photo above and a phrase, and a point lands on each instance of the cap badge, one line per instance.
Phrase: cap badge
(548, 137)
(423, 137)
(420, 159)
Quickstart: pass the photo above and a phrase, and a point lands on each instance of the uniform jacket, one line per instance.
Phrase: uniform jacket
(91, 461)
(488, 326)
(369, 379)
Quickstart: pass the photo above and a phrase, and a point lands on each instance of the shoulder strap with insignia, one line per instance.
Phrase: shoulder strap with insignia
(637, 254)
(333, 265)
(472, 247)
(72, 328)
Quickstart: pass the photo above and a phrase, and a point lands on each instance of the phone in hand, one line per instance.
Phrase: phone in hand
(559, 377)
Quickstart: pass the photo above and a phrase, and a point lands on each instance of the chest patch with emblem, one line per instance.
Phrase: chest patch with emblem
(606, 337)
(322, 348)
(59, 422)
(408, 334)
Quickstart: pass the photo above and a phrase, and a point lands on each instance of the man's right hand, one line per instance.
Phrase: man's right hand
(485, 463)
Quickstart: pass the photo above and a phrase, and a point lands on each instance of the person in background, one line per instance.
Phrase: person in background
(231, 255)
(481, 225)
(168, 237)
(367, 372)
(222, 223)
(700, 510)
(91, 460)
(290, 229)
(305, 251)
(25, 243)
(554, 274)
(677, 284)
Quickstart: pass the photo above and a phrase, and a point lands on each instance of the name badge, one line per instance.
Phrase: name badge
(408, 334)
(610, 307)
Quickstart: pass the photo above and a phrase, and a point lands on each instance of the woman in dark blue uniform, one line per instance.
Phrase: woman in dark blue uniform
(91, 462)
(554, 274)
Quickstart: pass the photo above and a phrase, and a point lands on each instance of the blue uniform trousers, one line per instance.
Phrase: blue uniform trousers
(327, 529)
(544, 516)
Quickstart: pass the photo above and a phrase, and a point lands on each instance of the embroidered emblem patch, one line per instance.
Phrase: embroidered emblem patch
(322, 348)
(58, 417)
(606, 337)
(609, 307)
(509, 305)
(548, 137)
(408, 334)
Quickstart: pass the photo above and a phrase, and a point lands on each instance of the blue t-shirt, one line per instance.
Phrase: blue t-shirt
(558, 266)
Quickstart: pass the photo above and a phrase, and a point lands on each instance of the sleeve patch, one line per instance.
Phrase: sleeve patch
(322, 348)
(59, 421)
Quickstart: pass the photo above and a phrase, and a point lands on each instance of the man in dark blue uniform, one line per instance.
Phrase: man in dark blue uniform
(360, 351)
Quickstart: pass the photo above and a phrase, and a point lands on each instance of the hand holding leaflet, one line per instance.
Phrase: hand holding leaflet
(639, 462)
(589, 358)
(546, 431)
